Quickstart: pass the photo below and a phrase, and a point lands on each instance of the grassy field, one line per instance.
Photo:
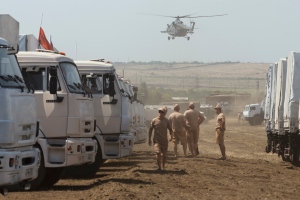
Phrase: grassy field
(240, 77)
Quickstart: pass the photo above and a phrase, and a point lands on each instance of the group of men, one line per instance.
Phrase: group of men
(183, 128)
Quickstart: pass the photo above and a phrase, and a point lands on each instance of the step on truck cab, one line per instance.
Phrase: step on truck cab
(19, 160)
(65, 111)
(113, 134)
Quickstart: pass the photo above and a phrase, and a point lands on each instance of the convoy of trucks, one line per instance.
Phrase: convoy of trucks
(60, 116)
(282, 108)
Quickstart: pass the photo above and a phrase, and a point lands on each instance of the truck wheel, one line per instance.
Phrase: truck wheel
(53, 175)
(86, 170)
(297, 158)
(285, 158)
(257, 120)
(35, 184)
(251, 122)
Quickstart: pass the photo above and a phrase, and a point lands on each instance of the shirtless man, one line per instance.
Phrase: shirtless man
(160, 125)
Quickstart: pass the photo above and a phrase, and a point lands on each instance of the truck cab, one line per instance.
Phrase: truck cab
(253, 114)
(111, 107)
(19, 160)
(65, 111)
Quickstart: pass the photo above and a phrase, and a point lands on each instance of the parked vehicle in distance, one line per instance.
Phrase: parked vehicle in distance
(254, 114)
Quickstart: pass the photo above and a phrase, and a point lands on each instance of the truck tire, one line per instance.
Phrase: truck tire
(257, 120)
(250, 122)
(297, 158)
(53, 175)
(86, 170)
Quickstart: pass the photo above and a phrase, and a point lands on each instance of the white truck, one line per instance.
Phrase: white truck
(140, 125)
(254, 114)
(112, 112)
(65, 111)
(19, 160)
(283, 97)
(291, 139)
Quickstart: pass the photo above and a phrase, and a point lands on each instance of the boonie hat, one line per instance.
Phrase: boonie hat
(218, 107)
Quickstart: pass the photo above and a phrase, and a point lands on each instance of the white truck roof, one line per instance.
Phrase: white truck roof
(91, 66)
(41, 58)
(3, 41)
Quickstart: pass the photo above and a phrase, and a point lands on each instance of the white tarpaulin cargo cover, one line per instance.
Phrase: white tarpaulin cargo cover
(273, 96)
(280, 91)
(28, 42)
(268, 98)
(292, 92)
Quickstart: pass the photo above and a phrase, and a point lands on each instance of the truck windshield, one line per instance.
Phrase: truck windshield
(10, 74)
(72, 77)
(93, 84)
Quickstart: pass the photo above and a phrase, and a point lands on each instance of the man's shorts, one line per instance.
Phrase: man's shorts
(180, 136)
(161, 147)
(193, 136)
(219, 136)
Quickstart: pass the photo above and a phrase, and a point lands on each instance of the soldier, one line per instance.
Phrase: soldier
(177, 122)
(192, 122)
(220, 131)
(160, 125)
(239, 117)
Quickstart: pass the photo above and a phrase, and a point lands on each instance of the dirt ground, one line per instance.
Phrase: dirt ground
(248, 173)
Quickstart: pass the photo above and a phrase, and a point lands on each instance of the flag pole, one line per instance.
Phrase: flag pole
(41, 20)
(39, 46)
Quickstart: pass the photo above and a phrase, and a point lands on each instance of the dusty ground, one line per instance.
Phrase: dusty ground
(248, 173)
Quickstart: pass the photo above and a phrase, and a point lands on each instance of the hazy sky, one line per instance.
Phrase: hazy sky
(253, 30)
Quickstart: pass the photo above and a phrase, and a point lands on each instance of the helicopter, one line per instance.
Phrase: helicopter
(178, 29)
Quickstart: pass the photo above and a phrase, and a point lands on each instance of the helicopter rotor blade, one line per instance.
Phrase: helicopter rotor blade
(186, 16)
(156, 15)
(207, 16)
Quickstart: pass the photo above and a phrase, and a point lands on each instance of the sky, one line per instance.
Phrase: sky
(253, 30)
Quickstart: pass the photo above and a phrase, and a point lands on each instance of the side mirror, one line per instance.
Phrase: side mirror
(53, 85)
(53, 71)
(109, 84)
(14, 49)
(112, 91)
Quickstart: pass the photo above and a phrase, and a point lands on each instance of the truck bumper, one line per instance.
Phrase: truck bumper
(116, 145)
(18, 165)
(68, 152)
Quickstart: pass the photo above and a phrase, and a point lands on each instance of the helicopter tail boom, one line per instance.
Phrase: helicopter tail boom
(192, 27)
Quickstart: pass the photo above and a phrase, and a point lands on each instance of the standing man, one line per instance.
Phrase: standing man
(220, 131)
(192, 122)
(160, 125)
(239, 117)
(177, 122)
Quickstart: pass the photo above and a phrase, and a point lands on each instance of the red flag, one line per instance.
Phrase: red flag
(43, 40)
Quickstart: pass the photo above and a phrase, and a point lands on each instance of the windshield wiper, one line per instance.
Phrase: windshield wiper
(13, 79)
(19, 78)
